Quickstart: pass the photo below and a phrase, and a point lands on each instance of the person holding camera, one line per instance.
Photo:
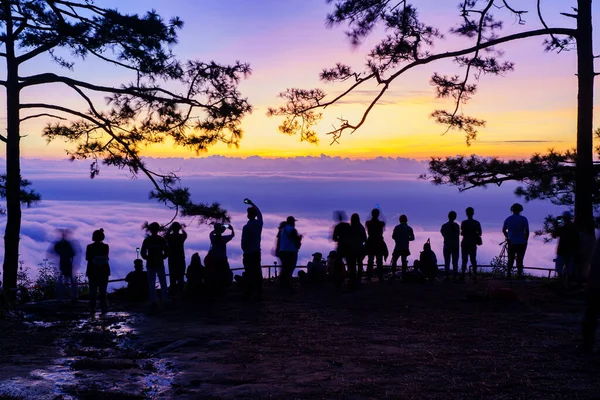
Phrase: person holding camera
(175, 241)
(218, 273)
(251, 236)
(516, 231)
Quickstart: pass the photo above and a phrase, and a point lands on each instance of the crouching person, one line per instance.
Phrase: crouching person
(137, 282)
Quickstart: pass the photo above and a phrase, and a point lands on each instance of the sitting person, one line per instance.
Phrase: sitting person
(336, 270)
(195, 276)
(427, 263)
(315, 270)
(137, 282)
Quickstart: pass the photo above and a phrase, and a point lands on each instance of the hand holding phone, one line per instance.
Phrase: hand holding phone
(226, 226)
(247, 201)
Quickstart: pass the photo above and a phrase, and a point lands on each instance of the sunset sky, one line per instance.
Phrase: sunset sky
(287, 44)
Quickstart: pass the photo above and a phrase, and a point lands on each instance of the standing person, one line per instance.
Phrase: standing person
(376, 247)
(516, 232)
(218, 273)
(154, 251)
(590, 318)
(451, 233)
(97, 270)
(402, 235)
(568, 244)
(66, 254)
(289, 244)
(356, 250)
(341, 235)
(251, 235)
(470, 230)
(175, 241)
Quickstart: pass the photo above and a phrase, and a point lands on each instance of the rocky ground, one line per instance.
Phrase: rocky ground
(408, 341)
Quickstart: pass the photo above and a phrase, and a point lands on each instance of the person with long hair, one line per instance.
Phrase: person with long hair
(97, 270)
(218, 273)
(356, 251)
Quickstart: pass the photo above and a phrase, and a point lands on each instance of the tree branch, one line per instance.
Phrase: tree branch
(41, 115)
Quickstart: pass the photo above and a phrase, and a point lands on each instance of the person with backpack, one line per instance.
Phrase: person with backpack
(289, 245)
(470, 230)
(155, 250)
(451, 233)
(176, 237)
(402, 235)
(516, 232)
(97, 270)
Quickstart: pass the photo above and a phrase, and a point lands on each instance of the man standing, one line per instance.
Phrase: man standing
(568, 244)
(470, 230)
(516, 231)
(251, 234)
(451, 233)
(289, 244)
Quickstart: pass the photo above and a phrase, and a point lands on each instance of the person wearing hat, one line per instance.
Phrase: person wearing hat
(516, 231)
(155, 251)
(289, 244)
(568, 244)
(251, 258)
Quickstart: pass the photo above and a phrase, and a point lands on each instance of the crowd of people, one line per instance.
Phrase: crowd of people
(354, 242)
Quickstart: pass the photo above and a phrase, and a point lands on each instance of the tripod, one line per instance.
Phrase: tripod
(502, 260)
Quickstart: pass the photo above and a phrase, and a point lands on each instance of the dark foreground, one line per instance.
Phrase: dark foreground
(400, 341)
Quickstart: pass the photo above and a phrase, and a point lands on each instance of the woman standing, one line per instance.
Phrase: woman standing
(97, 270)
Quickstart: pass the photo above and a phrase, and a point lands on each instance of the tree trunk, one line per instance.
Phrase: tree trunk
(584, 185)
(13, 167)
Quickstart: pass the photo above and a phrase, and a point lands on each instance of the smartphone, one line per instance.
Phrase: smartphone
(226, 226)
(246, 201)
(559, 220)
(377, 206)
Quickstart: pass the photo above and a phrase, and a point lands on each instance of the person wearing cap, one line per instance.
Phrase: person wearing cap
(516, 231)
(289, 244)
(568, 244)
(251, 235)
(155, 250)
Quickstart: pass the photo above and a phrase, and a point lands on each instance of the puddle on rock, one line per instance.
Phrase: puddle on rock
(99, 359)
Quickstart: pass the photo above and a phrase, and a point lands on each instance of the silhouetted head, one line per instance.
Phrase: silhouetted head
(403, 219)
(470, 211)
(175, 227)
(567, 216)
(332, 254)
(355, 219)
(196, 260)
(252, 212)
(375, 213)
(154, 228)
(219, 228)
(317, 256)
(340, 216)
(291, 221)
(138, 264)
(452, 215)
(282, 225)
(516, 208)
(98, 235)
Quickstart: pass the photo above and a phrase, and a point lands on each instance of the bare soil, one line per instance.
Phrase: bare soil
(384, 341)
